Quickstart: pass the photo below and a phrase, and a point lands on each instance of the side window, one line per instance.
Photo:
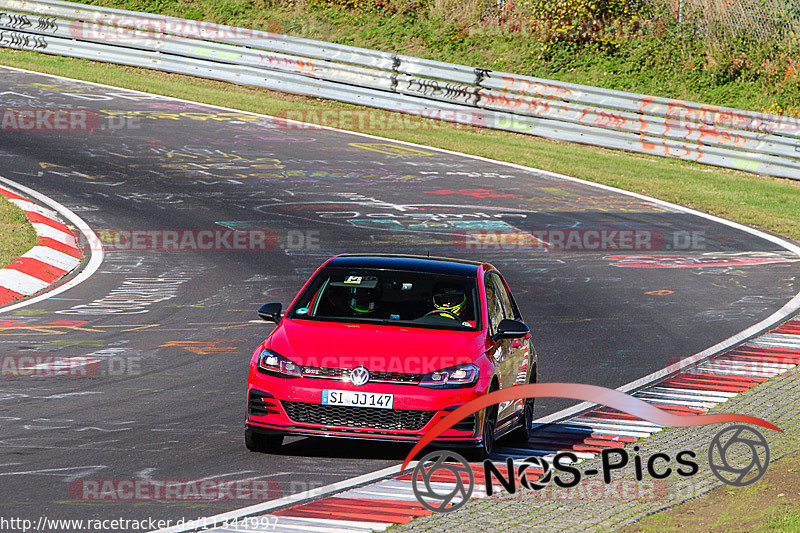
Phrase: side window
(493, 305)
(503, 297)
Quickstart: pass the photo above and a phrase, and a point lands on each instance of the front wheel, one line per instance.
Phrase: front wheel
(261, 443)
(486, 446)
(522, 433)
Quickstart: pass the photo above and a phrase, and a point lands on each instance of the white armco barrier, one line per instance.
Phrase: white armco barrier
(744, 140)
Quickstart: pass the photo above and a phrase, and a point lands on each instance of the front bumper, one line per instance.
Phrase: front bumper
(289, 408)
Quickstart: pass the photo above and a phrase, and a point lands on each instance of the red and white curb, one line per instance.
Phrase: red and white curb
(55, 254)
(693, 390)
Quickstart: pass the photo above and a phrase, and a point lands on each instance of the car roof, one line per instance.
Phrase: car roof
(415, 263)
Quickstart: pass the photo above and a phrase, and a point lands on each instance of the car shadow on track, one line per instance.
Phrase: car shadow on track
(337, 448)
(344, 448)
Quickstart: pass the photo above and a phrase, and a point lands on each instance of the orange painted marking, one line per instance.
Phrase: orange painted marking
(204, 347)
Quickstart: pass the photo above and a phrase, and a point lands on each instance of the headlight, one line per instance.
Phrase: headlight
(274, 363)
(452, 377)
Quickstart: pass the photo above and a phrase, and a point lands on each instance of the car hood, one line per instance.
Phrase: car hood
(378, 348)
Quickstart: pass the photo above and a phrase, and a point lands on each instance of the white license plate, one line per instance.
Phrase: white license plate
(357, 399)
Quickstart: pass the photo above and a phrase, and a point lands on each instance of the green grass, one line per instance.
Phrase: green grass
(770, 504)
(772, 204)
(16, 233)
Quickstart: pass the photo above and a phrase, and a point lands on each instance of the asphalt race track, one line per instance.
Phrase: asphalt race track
(173, 330)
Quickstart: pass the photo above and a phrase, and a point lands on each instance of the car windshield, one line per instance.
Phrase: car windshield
(390, 297)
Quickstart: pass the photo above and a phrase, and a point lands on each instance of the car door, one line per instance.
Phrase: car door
(502, 351)
(516, 351)
(498, 349)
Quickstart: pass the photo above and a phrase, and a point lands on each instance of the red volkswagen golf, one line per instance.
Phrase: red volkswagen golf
(383, 346)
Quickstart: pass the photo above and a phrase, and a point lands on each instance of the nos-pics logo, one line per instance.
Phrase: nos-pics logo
(443, 481)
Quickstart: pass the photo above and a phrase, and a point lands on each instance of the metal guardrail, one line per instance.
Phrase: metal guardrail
(732, 138)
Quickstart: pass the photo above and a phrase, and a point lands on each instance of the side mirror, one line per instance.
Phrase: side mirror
(270, 312)
(510, 329)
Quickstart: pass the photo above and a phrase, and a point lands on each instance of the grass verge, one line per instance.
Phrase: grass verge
(772, 204)
(658, 58)
(770, 504)
(16, 233)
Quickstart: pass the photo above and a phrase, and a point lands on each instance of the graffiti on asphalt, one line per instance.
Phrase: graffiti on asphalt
(706, 260)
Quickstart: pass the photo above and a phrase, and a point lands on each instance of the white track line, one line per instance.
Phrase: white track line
(261, 508)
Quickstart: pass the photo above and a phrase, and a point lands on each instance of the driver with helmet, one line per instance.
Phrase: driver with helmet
(451, 302)
(364, 297)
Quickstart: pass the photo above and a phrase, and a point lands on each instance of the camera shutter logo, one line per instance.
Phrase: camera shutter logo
(738, 455)
(359, 376)
(425, 475)
(538, 482)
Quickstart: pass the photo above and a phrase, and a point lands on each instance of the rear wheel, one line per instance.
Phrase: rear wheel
(261, 443)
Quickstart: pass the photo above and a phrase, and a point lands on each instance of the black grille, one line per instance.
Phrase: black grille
(466, 424)
(362, 417)
(261, 403)
(344, 373)
(318, 371)
(395, 376)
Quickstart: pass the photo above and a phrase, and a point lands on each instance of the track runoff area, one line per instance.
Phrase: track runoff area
(203, 214)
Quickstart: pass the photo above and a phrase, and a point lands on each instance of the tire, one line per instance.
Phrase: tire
(522, 434)
(486, 446)
(261, 443)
